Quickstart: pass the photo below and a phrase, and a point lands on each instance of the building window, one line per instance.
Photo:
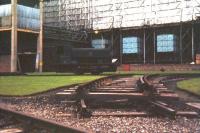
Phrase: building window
(165, 43)
(100, 43)
(131, 45)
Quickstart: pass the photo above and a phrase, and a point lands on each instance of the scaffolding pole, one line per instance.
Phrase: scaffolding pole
(14, 36)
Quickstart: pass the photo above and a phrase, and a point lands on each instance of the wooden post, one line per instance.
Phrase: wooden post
(40, 46)
(14, 36)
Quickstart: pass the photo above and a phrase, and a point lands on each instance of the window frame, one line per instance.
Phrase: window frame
(136, 45)
(165, 44)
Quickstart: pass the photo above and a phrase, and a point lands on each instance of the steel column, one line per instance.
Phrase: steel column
(121, 47)
(181, 44)
(154, 42)
(193, 43)
(144, 46)
(112, 43)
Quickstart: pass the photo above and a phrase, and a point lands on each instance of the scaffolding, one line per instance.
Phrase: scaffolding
(107, 14)
(68, 14)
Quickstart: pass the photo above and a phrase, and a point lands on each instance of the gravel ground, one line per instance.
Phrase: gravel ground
(50, 107)
(58, 113)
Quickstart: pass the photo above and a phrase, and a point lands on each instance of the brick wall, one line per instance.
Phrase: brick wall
(5, 63)
(158, 67)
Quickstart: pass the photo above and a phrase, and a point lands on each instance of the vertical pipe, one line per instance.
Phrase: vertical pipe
(181, 44)
(144, 46)
(92, 14)
(88, 11)
(121, 48)
(40, 49)
(193, 43)
(154, 42)
(14, 36)
(59, 11)
(112, 39)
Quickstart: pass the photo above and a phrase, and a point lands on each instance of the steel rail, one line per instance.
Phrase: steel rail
(32, 121)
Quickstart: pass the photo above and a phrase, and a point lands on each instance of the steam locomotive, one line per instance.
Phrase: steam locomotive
(85, 60)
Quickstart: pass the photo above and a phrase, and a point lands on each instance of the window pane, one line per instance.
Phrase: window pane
(165, 43)
(130, 45)
(99, 43)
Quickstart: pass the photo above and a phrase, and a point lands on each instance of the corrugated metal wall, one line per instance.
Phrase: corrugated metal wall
(28, 17)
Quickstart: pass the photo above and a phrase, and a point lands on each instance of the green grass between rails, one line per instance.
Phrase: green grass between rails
(40, 82)
(192, 85)
(26, 85)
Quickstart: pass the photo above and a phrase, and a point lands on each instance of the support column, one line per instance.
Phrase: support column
(14, 36)
(193, 58)
(181, 44)
(144, 46)
(154, 42)
(112, 39)
(121, 47)
(40, 41)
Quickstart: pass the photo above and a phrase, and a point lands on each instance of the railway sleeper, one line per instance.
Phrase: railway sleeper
(192, 114)
(194, 105)
(12, 130)
(115, 91)
(163, 109)
(118, 86)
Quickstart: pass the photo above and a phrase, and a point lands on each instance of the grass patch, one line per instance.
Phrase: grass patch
(192, 85)
(40, 82)
(26, 85)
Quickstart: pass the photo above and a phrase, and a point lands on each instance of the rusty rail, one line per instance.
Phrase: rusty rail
(158, 92)
(107, 89)
(32, 121)
(82, 90)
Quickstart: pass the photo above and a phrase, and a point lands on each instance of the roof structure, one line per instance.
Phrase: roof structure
(106, 14)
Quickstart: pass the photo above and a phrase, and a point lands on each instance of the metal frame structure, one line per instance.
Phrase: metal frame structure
(101, 14)
(14, 29)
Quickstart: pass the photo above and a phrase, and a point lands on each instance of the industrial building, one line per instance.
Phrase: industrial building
(140, 31)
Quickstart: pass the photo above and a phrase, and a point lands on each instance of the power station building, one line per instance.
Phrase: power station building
(140, 31)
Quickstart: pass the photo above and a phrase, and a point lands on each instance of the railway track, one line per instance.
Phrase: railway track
(103, 98)
(18, 122)
(127, 96)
